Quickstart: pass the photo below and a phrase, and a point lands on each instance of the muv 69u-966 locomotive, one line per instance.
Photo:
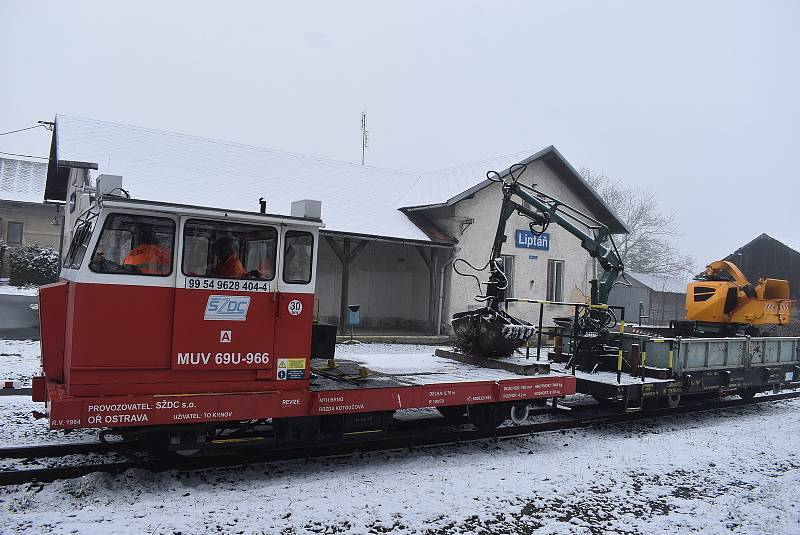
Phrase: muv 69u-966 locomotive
(185, 326)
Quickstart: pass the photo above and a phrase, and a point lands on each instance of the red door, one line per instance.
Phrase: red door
(224, 315)
(295, 313)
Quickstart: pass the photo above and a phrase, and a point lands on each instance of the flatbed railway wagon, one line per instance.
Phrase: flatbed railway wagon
(191, 327)
(668, 369)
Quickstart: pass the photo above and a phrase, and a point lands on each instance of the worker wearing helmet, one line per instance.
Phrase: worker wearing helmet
(149, 257)
(227, 265)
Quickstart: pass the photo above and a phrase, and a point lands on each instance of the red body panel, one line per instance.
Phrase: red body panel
(158, 340)
(52, 322)
(124, 411)
(203, 342)
(117, 327)
(293, 336)
(39, 389)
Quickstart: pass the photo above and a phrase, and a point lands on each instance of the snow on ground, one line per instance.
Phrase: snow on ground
(20, 428)
(345, 350)
(19, 360)
(7, 289)
(718, 472)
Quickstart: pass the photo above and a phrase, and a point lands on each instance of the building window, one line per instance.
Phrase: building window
(555, 280)
(14, 233)
(508, 269)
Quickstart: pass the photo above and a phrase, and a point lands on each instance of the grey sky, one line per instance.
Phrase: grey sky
(695, 100)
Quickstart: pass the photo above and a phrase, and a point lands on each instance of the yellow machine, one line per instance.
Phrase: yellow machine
(722, 296)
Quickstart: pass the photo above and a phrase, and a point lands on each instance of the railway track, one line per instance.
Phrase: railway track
(327, 449)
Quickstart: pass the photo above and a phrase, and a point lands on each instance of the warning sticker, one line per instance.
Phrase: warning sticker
(291, 369)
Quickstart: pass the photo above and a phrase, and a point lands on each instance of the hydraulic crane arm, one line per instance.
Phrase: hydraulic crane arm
(491, 330)
(594, 236)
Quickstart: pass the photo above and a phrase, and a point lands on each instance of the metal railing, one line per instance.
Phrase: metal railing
(574, 338)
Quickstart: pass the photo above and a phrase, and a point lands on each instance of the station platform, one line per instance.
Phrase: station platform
(382, 337)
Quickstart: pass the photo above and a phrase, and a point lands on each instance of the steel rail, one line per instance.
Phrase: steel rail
(42, 451)
(339, 449)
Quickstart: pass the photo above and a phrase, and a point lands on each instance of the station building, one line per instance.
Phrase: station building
(390, 238)
(651, 299)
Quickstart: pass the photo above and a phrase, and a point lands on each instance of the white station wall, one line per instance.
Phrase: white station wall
(390, 281)
(530, 265)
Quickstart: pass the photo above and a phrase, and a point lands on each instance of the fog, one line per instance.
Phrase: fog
(696, 101)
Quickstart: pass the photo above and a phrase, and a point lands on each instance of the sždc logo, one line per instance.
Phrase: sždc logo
(227, 307)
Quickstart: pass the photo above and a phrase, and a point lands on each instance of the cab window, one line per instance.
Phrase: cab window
(224, 250)
(80, 242)
(297, 257)
(135, 245)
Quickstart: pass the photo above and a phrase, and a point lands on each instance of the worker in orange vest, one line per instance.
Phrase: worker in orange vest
(149, 257)
(228, 265)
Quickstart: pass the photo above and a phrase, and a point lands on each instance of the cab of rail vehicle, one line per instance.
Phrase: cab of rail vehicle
(166, 298)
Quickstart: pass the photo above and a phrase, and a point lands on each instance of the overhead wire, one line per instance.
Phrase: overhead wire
(45, 126)
(25, 155)
(22, 129)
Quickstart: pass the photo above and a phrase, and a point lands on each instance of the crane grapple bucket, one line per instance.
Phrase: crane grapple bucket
(488, 332)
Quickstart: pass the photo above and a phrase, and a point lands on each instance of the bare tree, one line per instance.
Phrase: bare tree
(651, 244)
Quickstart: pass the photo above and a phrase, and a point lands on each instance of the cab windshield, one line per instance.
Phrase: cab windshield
(135, 245)
(224, 250)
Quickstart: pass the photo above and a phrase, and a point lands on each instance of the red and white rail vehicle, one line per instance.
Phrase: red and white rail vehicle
(182, 348)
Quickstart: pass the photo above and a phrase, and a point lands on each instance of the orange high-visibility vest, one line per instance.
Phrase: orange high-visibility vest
(149, 259)
(231, 268)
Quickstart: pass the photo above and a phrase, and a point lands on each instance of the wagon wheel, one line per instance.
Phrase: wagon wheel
(155, 442)
(748, 393)
(453, 412)
(673, 400)
(487, 416)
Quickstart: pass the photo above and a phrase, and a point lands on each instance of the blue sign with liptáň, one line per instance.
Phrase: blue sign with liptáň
(526, 239)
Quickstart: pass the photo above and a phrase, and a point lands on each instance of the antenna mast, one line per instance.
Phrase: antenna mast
(364, 135)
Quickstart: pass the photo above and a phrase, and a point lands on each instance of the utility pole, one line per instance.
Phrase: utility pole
(364, 135)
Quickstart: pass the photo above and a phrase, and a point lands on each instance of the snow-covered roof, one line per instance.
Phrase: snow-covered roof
(22, 180)
(438, 187)
(178, 168)
(660, 283)
(448, 186)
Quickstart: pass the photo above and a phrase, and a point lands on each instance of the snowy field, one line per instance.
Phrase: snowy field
(6, 289)
(19, 360)
(735, 471)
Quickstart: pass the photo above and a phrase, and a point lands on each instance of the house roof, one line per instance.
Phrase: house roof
(356, 199)
(762, 237)
(22, 180)
(178, 168)
(437, 188)
(660, 283)
(448, 186)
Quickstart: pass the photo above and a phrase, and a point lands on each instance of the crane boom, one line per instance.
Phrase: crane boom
(593, 236)
(491, 330)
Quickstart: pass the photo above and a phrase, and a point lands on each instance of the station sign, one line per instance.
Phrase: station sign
(525, 239)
